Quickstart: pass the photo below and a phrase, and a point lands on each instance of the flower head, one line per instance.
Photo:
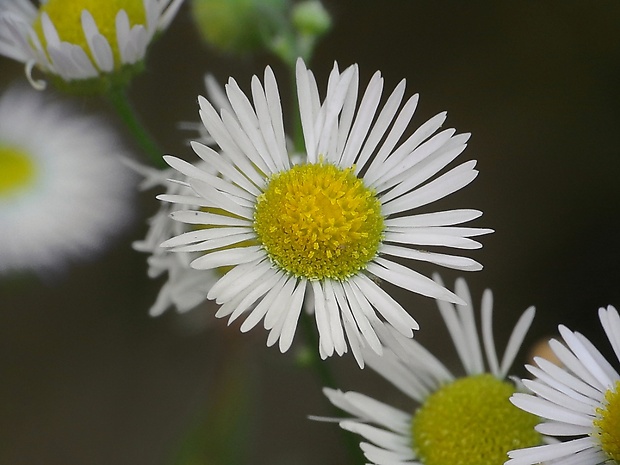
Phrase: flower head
(63, 191)
(330, 222)
(85, 45)
(580, 401)
(464, 420)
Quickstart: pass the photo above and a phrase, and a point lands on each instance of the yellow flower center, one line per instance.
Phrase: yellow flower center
(319, 221)
(16, 170)
(608, 423)
(471, 422)
(66, 17)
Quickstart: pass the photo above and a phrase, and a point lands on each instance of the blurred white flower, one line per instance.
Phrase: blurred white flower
(63, 191)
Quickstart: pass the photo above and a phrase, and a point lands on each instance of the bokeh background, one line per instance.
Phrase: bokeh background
(86, 377)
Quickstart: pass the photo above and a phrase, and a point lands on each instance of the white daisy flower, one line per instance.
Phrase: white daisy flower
(331, 223)
(464, 420)
(185, 288)
(78, 40)
(63, 190)
(580, 401)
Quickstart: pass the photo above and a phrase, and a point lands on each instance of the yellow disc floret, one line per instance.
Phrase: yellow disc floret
(471, 422)
(66, 17)
(319, 221)
(607, 423)
(16, 170)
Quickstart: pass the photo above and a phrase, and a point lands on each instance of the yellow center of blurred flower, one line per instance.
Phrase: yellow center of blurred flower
(16, 170)
(66, 17)
(471, 422)
(608, 423)
(319, 221)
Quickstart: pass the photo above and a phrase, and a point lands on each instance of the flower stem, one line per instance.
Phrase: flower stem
(117, 97)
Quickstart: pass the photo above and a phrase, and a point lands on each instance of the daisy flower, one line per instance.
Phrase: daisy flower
(185, 288)
(464, 420)
(332, 224)
(60, 171)
(580, 400)
(82, 40)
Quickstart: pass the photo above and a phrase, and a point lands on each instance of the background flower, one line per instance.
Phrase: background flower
(63, 194)
(463, 419)
(184, 288)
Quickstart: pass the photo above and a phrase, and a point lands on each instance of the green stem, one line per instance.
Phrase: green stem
(119, 101)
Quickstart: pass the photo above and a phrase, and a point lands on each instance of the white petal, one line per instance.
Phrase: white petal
(307, 105)
(557, 397)
(223, 201)
(210, 219)
(280, 304)
(378, 436)
(611, 324)
(202, 235)
(448, 261)
(265, 304)
(409, 279)
(549, 410)
(229, 257)
(333, 313)
(440, 187)
(391, 310)
(516, 339)
(445, 218)
(538, 454)
(486, 310)
(322, 320)
(365, 116)
(292, 316)
(380, 127)
(562, 429)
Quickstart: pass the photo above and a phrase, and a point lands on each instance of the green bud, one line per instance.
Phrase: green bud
(311, 18)
(239, 26)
